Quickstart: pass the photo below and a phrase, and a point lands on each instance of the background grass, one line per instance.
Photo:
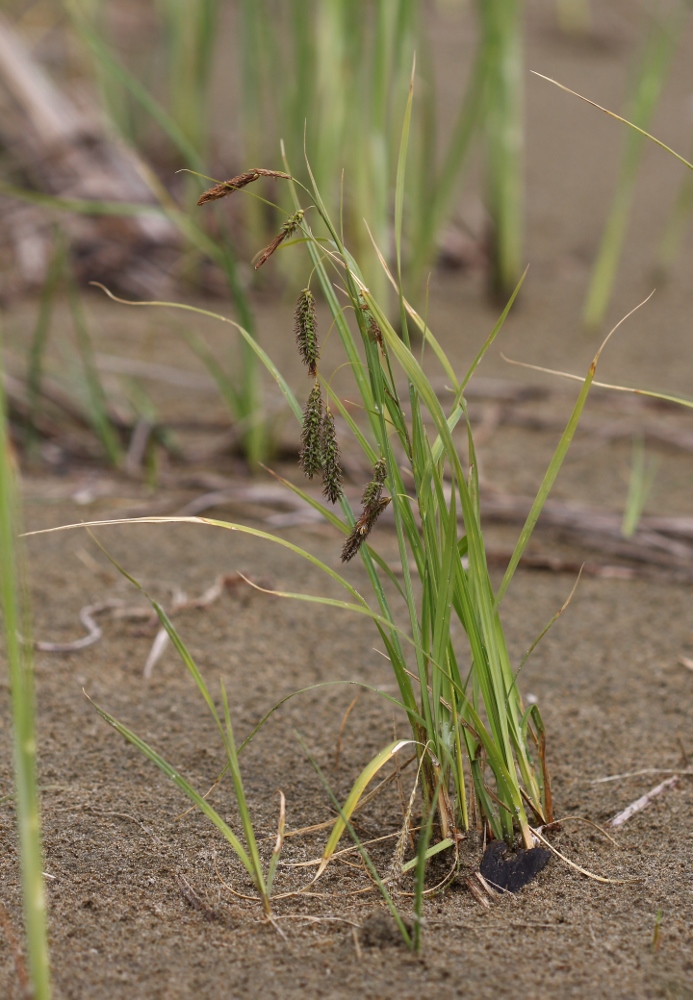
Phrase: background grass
(18, 657)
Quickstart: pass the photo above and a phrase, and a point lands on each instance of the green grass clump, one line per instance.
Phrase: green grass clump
(482, 752)
(88, 389)
(246, 849)
(462, 699)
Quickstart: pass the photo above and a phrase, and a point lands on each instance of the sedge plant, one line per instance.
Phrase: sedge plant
(482, 752)
(463, 703)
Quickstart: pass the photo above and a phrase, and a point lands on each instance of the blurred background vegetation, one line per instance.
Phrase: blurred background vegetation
(105, 104)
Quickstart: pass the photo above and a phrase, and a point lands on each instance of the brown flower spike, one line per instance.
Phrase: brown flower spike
(236, 183)
(373, 505)
(363, 528)
(288, 229)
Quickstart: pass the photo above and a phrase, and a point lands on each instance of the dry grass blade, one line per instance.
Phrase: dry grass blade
(278, 844)
(477, 893)
(94, 631)
(589, 822)
(612, 114)
(405, 832)
(579, 868)
(666, 397)
(345, 717)
(637, 774)
(156, 651)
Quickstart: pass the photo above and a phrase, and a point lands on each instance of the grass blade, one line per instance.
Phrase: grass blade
(241, 800)
(352, 800)
(640, 482)
(557, 461)
(181, 783)
(612, 114)
(96, 396)
(501, 26)
(650, 78)
(344, 821)
(39, 340)
(21, 682)
(430, 852)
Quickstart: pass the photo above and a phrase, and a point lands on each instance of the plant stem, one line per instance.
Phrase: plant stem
(501, 27)
(21, 677)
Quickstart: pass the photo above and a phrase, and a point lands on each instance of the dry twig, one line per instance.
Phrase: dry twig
(643, 801)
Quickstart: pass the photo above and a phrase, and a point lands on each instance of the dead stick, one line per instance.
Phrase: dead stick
(643, 801)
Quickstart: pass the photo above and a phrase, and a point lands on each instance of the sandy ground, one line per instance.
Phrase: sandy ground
(137, 906)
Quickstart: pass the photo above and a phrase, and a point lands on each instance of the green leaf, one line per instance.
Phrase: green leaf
(442, 845)
(181, 783)
(358, 788)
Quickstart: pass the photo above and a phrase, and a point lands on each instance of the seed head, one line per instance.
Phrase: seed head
(310, 455)
(236, 183)
(362, 528)
(371, 494)
(306, 327)
(332, 474)
(289, 227)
